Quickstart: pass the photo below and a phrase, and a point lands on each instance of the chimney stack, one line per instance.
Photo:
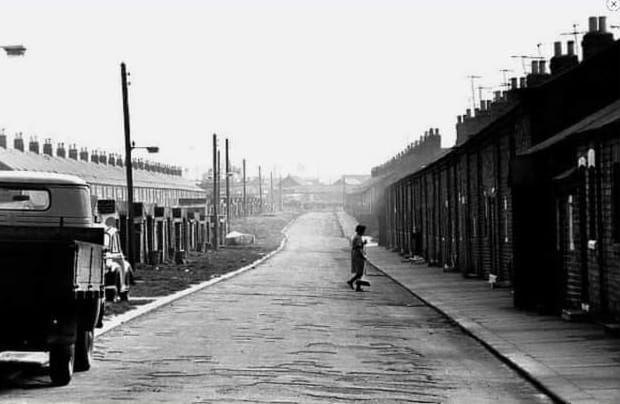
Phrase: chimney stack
(73, 152)
(84, 154)
(120, 162)
(534, 67)
(33, 146)
(560, 62)
(60, 150)
(47, 147)
(111, 159)
(94, 157)
(597, 38)
(18, 142)
(2, 140)
(103, 159)
(522, 82)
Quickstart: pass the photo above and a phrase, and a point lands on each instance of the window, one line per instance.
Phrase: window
(24, 199)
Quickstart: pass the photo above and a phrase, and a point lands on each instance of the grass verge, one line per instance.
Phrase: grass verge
(167, 278)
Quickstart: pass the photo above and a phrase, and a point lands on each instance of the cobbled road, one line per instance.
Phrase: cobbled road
(289, 331)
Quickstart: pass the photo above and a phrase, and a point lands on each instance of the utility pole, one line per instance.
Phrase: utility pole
(273, 202)
(280, 190)
(215, 202)
(129, 170)
(245, 203)
(227, 190)
(260, 190)
(344, 191)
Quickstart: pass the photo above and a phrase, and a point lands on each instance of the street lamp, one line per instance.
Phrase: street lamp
(129, 146)
(14, 50)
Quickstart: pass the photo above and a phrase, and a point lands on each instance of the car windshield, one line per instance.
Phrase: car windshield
(23, 199)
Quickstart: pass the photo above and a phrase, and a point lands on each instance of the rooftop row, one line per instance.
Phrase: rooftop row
(95, 157)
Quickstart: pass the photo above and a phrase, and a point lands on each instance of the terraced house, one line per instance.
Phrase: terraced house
(529, 195)
(170, 210)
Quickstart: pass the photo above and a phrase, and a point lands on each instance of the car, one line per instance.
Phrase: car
(118, 272)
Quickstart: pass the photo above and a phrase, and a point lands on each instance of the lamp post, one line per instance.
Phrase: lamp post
(129, 146)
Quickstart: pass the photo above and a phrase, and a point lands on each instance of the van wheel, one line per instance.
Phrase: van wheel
(83, 351)
(61, 364)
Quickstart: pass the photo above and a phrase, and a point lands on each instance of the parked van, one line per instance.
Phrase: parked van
(51, 255)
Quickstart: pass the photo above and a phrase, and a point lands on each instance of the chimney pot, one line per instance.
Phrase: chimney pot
(592, 24)
(557, 48)
(468, 112)
(534, 66)
(513, 83)
(542, 67)
(602, 24)
(570, 48)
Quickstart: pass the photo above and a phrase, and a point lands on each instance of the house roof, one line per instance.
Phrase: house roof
(601, 118)
(100, 174)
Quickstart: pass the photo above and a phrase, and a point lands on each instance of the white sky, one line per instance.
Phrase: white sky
(304, 87)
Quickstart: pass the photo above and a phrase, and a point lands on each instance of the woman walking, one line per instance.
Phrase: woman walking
(358, 257)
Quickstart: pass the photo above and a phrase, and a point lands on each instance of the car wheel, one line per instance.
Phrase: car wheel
(61, 364)
(83, 351)
(124, 295)
(110, 294)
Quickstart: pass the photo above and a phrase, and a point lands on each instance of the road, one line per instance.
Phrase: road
(289, 331)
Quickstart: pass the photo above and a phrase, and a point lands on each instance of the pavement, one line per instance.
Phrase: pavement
(288, 331)
(572, 362)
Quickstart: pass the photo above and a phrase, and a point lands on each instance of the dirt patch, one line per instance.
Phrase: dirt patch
(167, 278)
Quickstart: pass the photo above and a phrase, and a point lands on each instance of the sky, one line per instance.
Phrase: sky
(311, 88)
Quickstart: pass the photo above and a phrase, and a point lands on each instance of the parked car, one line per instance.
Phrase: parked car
(118, 271)
(51, 255)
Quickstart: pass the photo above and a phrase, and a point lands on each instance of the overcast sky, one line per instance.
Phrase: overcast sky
(303, 87)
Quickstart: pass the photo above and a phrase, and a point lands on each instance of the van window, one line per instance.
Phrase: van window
(23, 199)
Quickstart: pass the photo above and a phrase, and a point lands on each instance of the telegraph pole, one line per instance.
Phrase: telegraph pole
(260, 190)
(227, 189)
(215, 202)
(129, 170)
(280, 190)
(344, 192)
(271, 191)
(245, 204)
